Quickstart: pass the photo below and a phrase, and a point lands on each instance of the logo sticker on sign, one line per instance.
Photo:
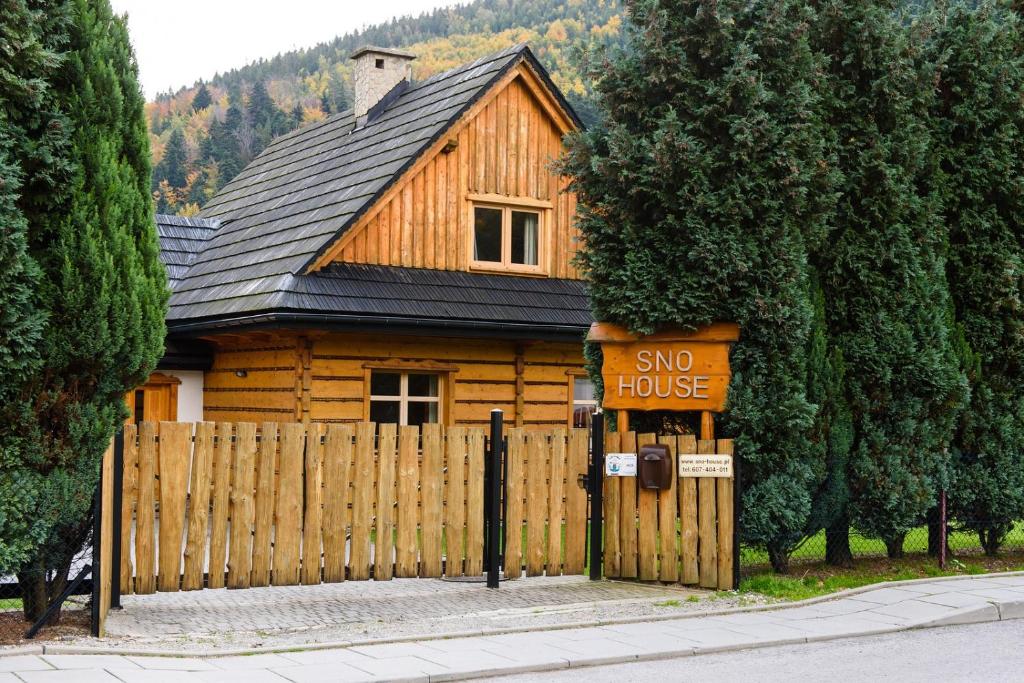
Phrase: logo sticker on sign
(620, 465)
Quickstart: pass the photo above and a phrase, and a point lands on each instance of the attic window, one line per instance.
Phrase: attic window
(379, 63)
(506, 239)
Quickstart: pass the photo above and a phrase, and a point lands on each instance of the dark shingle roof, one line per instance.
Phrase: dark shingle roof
(297, 197)
(181, 239)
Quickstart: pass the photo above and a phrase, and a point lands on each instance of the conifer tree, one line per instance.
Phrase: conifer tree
(978, 126)
(882, 270)
(202, 98)
(104, 293)
(700, 193)
(173, 165)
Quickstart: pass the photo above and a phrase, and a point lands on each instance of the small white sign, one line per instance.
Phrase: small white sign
(620, 465)
(691, 465)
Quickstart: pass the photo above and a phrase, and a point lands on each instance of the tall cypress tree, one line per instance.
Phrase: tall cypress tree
(104, 292)
(699, 194)
(882, 269)
(33, 173)
(978, 125)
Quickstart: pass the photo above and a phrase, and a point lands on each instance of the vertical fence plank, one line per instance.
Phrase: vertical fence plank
(362, 502)
(475, 503)
(538, 468)
(145, 523)
(288, 515)
(408, 501)
(431, 480)
(387, 494)
(106, 536)
(647, 510)
(263, 526)
(221, 492)
(198, 507)
(455, 509)
(337, 466)
(556, 501)
(668, 541)
(312, 516)
(129, 495)
(575, 503)
(627, 519)
(687, 443)
(175, 438)
(725, 522)
(514, 495)
(242, 510)
(612, 516)
(706, 525)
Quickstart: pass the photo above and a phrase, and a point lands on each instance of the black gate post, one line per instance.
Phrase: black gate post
(94, 615)
(595, 480)
(493, 503)
(115, 555)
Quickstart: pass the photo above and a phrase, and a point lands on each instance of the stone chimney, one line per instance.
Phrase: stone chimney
(378, 70)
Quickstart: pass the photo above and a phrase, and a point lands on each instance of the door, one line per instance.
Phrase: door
(154, 401)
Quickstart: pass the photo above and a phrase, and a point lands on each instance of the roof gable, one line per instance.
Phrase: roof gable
(294, 200)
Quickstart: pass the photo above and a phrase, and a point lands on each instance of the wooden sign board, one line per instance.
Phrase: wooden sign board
(666, 370)
(693, 465)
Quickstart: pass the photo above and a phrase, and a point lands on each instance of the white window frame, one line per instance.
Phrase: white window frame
(403, 397)
(506, 265)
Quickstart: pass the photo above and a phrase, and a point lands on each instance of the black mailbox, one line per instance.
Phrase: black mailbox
(654, 467)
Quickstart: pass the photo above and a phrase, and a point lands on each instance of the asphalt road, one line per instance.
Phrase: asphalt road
(991, 652)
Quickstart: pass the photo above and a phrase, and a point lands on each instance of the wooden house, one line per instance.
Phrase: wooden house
(407, 261)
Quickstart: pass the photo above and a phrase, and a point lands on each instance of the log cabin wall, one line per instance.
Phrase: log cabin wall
(501, 154)
(324, 377)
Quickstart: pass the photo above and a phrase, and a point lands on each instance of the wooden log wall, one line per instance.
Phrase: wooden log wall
(282, 504)
(546, 510)
(502, 153)
(682, 534)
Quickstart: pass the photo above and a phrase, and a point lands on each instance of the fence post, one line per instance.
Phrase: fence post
(115, 561)
(595, 479)
(942, 530)
(94, 616)
(737, 508)
(492, 478)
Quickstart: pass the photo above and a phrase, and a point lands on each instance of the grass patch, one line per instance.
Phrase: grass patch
(812, 580)
(668, 603)
(10, 603)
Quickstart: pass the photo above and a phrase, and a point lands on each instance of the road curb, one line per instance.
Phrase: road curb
(1015, 607)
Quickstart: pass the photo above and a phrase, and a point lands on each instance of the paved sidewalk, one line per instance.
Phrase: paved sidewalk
(881, 609)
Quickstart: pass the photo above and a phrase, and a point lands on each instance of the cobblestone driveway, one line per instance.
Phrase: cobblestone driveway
(298, 615)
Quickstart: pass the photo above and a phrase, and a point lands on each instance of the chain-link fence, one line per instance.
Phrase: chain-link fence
(964, 540)
(51, 597)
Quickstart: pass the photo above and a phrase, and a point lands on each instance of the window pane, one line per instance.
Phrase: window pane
(582, 389)
(524, 238)
(423, 385)
(487, 234)
(385, 383)
(581, 416)
(421, 412)
(384, 412)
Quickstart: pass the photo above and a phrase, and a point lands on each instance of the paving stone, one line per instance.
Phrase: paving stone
(394, 650)
(238, 676)
(154, 676)
(23, 663)
(954, 599)
(762, 632)
(662, 643)
(89, 662)
(1011, 609)
(250, 662)
(995, 593)
(531, 655)
(911, 610)
(402, 667)
(68, 676)
(172, 663)
(889, 596)
(326, 673)
(463, 644)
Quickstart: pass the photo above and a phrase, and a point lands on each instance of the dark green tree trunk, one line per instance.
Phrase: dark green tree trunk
(837, 543)
(894, 546)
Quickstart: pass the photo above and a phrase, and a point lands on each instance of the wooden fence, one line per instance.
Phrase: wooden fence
(285, 504)
(545, 508)
(682, 534)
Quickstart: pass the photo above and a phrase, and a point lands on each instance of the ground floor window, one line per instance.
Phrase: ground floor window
(404, 398)
(584, 401)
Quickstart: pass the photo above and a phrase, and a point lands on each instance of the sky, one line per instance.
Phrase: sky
(178, 43)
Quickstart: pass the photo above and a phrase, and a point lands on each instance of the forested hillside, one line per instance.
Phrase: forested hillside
(202, 135)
